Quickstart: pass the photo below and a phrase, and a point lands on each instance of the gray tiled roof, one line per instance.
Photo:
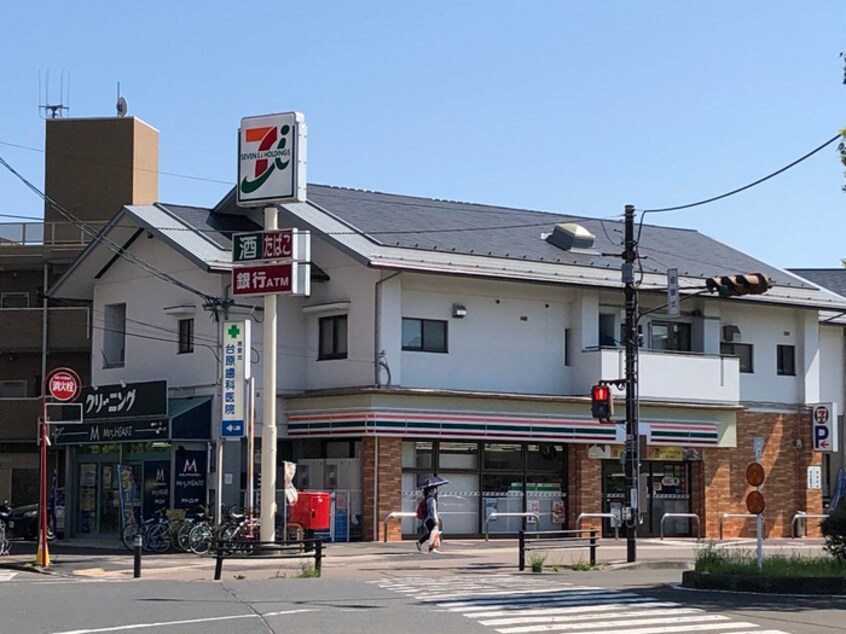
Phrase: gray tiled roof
(448, 226)
(832, 279)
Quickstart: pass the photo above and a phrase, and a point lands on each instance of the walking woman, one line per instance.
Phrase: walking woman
(431, 532)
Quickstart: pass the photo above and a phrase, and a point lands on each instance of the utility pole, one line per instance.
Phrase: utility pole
(632, 433)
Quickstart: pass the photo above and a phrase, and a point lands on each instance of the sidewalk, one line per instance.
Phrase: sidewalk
(108, 559)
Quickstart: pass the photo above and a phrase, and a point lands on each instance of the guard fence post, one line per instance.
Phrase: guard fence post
(521, 562)
(318, 556)
(138, 545)
(592, 547)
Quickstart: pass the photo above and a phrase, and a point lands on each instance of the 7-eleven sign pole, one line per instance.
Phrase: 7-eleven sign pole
(268, 417)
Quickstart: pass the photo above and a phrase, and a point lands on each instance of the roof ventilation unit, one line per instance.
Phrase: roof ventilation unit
(569, 235)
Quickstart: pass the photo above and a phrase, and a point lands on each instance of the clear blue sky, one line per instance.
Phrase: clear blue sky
(577, 107)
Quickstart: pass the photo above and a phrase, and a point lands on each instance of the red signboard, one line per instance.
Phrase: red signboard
(263, 279)
(63, 384)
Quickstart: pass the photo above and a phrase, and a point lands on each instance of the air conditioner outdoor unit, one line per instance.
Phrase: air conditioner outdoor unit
(731, 333)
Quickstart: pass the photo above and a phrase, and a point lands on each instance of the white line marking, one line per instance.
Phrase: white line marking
(607, 607)
(6, 576)
(684, 629)
(569, 618)
(142, 626)
(670, 620)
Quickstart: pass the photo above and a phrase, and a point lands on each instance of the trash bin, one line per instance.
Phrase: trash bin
(311, 511)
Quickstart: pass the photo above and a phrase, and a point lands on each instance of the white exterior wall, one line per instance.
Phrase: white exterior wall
(511, 339)
(766, 327)
(831, 367)
(147, 358)
(350, 282)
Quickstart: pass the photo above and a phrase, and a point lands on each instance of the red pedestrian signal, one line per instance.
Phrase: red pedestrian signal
(737, 285)
(601, 402)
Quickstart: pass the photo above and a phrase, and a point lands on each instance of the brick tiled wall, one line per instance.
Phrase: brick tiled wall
(584, 487)
(389, 486)
(785, 469)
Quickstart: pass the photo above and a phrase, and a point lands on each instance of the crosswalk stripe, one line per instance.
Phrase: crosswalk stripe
(683, 629)
(573, 627)
(7, 575)
(594, 598)
(569, 618)
(520, 605)
(576, 609)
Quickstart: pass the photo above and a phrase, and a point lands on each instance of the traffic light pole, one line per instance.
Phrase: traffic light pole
(632, 433)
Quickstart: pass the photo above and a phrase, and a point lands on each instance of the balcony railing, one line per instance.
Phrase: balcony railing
(668, 376)
(47, 233)
(68, 329)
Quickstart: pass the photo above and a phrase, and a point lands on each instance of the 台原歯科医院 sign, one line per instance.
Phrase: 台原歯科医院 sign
(271, 159)
(236, 371)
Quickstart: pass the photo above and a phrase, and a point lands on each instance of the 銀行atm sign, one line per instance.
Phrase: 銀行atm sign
(824, 436)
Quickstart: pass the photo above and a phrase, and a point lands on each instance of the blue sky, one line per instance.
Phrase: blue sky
(577, 107)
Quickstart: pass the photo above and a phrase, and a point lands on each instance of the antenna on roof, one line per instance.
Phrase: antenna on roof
(53, 110)
(121, 103)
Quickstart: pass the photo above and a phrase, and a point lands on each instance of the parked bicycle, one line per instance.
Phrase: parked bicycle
(234, 527)
(154, 532)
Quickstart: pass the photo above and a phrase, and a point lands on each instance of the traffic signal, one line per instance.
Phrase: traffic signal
(601, 402)
(736, 285)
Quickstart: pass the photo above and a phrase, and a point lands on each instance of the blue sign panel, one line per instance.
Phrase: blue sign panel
(232, 428)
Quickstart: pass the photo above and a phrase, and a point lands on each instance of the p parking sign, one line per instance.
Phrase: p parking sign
(824, 435)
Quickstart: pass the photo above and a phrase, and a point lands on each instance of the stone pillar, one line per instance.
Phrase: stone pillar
(381, 486)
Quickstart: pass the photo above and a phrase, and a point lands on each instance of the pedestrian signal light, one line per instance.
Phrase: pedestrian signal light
(601, 402)
(736, 285)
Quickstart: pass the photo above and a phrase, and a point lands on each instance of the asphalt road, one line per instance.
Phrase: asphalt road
(374, 588)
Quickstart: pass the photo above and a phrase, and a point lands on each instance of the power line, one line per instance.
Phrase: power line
(119, 250)
(745, 187)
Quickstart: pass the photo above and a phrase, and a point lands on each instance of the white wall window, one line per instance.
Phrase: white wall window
(669, 335)
(14, 300)
(114, 336)
(786, 360)
(186, 336)
(13, 389)
(424, 335)
(742, 351)
(333, 338)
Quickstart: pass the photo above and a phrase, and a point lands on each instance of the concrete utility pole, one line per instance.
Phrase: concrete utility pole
(268, 417)
(632, 432)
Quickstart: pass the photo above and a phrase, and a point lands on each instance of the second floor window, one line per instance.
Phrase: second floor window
(786, 360)
(333, 338)
(424, 335)
(669, 335)
(742, 351)
(14, 300)
(186, 336)
(114, 336)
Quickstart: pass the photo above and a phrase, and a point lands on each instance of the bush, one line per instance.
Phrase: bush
(536, 562)
(834, 530)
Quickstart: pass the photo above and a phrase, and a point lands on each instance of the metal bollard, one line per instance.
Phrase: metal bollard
(138, 544)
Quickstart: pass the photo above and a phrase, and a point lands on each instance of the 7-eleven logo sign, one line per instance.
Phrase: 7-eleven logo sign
(271, 166)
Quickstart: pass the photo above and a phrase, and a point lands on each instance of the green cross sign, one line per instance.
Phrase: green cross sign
(234, 331)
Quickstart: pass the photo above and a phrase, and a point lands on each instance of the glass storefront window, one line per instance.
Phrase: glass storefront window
(500, 457)
(545, 457)
(417, 455)
(458, 455)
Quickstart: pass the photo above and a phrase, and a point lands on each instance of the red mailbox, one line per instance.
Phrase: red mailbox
(311, 511)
